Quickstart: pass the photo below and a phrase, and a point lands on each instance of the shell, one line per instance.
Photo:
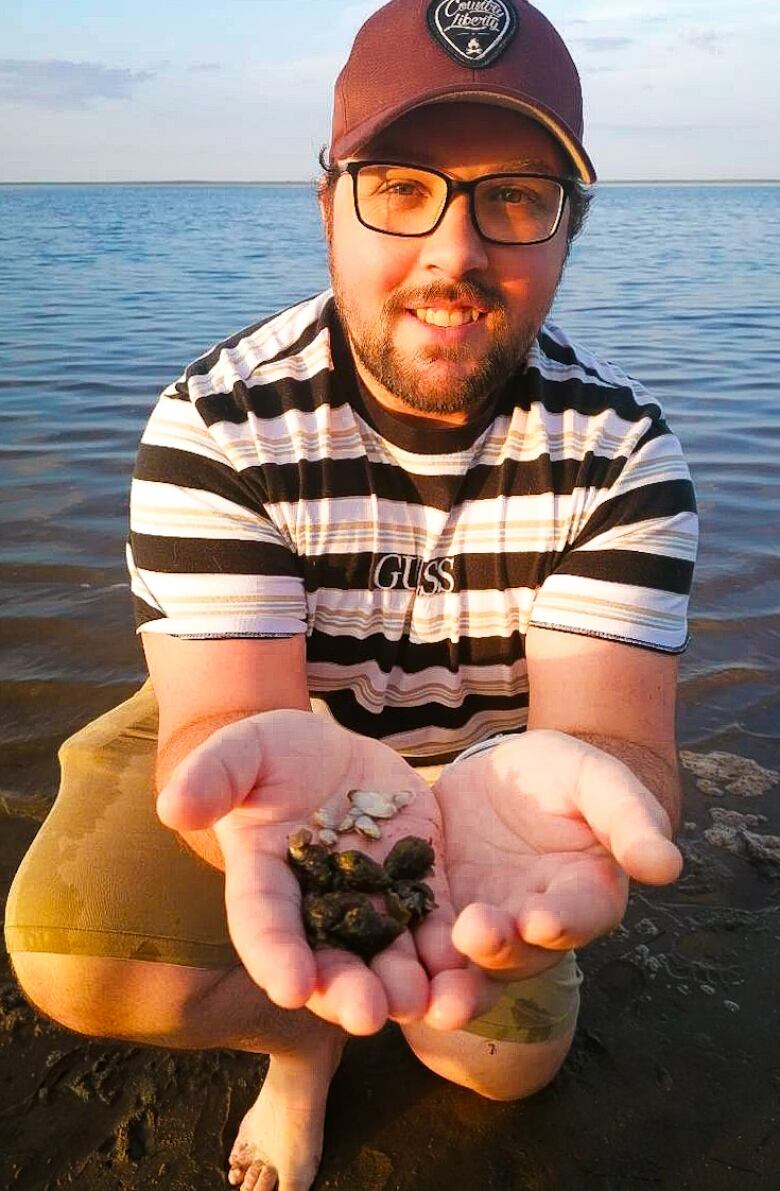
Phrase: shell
(409, 902)
(348, 822)
(327, 837)
(410, 859)
(324, 818)
(403, 798)
(299, 843)
(371, 802)
(354, 870)
(367, 827)
(310, 862)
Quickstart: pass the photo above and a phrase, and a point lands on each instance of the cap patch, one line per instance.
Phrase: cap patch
(473, 32)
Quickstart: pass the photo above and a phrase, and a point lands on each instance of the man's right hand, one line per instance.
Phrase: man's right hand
(257, 781)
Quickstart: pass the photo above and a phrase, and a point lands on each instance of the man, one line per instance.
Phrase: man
(468, 540)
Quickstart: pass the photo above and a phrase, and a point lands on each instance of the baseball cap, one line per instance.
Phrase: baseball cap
(412, 53)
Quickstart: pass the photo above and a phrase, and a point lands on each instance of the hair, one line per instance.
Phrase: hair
(580, 197)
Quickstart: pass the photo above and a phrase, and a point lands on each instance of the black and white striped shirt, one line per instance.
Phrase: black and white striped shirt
(273, 496)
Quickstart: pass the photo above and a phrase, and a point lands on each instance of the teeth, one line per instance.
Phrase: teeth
(447, 318)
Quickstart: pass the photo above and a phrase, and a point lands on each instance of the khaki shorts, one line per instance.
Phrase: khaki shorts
(104, 877)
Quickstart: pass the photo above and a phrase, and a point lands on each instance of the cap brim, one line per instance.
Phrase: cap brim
(362, 133)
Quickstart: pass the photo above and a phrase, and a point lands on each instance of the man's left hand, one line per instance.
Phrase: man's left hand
(543, 832)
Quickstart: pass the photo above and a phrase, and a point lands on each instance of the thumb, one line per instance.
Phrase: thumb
(213, 779)
(627, 819)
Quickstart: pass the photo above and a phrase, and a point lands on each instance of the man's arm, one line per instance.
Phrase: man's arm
(203, 685)
(619, 698)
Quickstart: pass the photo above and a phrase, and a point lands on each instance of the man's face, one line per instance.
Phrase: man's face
(389, 289)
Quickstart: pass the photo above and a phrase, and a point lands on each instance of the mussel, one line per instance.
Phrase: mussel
(337, 909)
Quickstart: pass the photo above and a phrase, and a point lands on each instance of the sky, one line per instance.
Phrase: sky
(132, 90)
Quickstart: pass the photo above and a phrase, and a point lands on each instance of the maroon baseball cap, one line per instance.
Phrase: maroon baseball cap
(416, 52)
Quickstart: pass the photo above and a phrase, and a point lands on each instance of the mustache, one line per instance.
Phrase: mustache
(467, 293)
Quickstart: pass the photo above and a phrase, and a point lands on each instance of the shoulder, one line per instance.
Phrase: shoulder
(569, 376)
(294, 342)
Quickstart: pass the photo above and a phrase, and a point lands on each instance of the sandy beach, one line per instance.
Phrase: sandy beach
(672, 1083)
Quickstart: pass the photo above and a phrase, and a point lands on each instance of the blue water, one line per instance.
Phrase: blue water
(107, 292)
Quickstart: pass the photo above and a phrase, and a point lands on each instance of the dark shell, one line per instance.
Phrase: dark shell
(365, 931)
(299, 843)
(323, 911)
(348, 921)
(409, 859)
(311, 863)
(355, 870)
(409, 902)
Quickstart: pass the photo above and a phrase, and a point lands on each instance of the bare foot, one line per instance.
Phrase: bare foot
(279, 1143)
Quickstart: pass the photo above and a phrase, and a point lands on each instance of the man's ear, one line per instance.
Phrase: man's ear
(325, 195)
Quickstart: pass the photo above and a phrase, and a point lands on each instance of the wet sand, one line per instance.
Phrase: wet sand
(673, 1081)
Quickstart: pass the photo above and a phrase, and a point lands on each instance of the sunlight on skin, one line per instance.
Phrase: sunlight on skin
(255, 793)
(571, 823)
(561, 828)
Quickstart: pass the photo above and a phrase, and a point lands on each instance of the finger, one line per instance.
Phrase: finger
(347, 993)
(489, 936)
(630, 822)
(580, 904)
(433, 939)
(404, 980)
(455, 999)
(213, 779)
(262, 900)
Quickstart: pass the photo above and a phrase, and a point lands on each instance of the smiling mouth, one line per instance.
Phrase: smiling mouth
(437, 317)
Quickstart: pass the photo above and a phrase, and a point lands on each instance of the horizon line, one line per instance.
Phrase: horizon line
(312, 182)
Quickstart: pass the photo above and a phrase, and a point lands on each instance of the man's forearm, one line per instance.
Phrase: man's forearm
(653, 771)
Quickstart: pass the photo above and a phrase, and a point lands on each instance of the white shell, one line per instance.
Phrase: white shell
(404, 798)
(328, 838)
(367, 827)
(371, 802)
(324, 818)
(348, 822)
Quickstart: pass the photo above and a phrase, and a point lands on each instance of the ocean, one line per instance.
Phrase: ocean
(107, 292)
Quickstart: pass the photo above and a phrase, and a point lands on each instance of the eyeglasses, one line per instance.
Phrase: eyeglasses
(404, 200)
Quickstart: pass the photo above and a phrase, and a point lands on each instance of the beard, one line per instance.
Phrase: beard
(411, 375)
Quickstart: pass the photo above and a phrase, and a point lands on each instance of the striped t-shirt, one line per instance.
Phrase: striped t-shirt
(273, 496)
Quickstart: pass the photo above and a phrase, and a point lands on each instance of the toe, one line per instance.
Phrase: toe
(259, 1177)
(268, 1179)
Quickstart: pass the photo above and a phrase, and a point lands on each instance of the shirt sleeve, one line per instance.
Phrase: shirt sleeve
(206, 557)
(626, 573)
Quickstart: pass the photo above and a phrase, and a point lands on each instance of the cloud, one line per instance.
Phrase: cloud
(650, 129)
(614, 12)
(704, 39)
(603, 44)
(201, 67)
(55, 83)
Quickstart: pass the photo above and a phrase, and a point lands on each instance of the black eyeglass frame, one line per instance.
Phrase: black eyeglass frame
(458, 186)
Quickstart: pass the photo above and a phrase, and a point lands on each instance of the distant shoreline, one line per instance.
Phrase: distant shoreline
(311, 182)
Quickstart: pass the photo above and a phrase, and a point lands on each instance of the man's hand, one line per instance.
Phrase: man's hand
(543, 832)
(259, 780)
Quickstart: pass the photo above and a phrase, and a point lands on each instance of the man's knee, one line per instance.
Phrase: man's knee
(114, 998)
(496, 1070)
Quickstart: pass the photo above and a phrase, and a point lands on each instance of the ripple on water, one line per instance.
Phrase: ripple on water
(107, 292)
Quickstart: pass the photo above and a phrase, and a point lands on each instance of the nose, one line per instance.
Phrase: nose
(455, 248)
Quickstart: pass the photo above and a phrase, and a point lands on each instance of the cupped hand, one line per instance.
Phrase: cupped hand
(259, 780)
(543, 833)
